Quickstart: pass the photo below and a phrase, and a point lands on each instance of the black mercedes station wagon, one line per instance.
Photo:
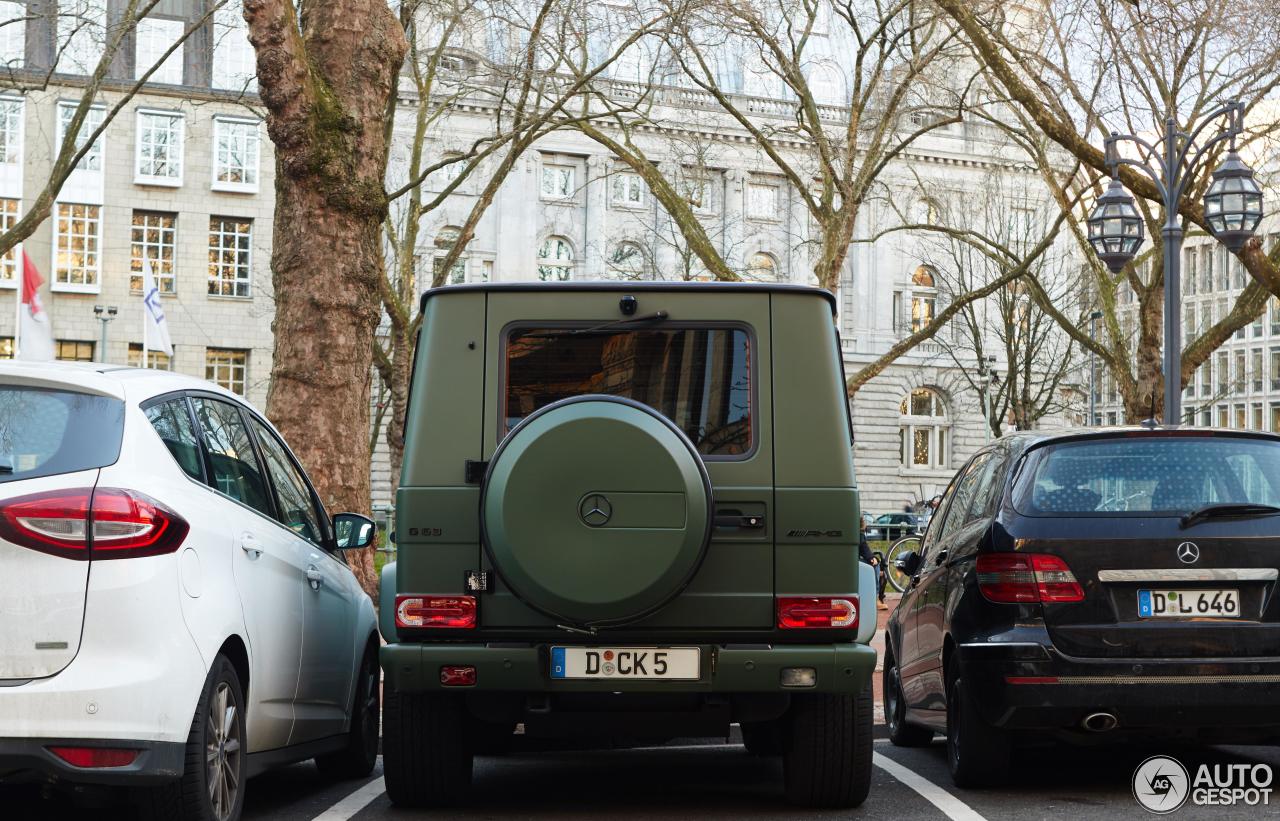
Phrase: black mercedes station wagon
(1090, 585)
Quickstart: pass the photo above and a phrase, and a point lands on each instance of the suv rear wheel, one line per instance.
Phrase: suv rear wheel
(978, 754)
(827, 760)
(212, 784)
(427, 754)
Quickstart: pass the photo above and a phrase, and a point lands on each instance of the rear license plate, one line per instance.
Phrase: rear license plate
(672, 663)
(1189, 603)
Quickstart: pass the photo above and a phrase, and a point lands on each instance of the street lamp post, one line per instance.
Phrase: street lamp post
(1093, 369)
(104, 316)
(1232, 205)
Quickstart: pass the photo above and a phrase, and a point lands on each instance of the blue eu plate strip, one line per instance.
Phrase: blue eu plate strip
(1144, 603)
(557, 662)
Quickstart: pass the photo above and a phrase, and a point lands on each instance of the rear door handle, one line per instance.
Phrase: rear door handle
(314, 577)
(737, 521)
(251, 546)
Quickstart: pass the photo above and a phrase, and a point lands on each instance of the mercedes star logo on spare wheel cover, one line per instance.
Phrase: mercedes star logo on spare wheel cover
(1189, 553)
(595, 510)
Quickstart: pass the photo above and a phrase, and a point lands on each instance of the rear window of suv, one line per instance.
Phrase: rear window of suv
(47, 432)
(1154, 474)
(699, 378)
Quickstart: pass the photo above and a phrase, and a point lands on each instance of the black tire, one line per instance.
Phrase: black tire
(358, 757)
(901, 733)
(426, 753)
(190, 798)
(762, 738)
(827, 761)
(978, 755)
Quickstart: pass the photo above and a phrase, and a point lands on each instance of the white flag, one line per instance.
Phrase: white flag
(155, 330)
(35, 335)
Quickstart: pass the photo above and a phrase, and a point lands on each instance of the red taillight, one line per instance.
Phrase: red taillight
(107, 523)
(1027, 578)
(436, 611)
(451, 676)
(95, 757)
(799, 612)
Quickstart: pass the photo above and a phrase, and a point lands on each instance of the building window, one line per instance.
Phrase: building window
(92, 159)
(227, 367)
(230, 256)
(236, 149)
(77, 240)
(923, 430)
(924, 297)
(557, 181)
(1223, 269)
(1241, 380)
(1224, 374)
(1189, 257)
(1206, 269)
(629, 190)
(6, 347)
(1241, 418)
(696, 187)
(154, 37)
(1257, 417)
(1206, 418)
(627, 261)
(1275, 417)
(445, 240)
(1255, 362)
(154, 238)
(72, 350)
(1274, 310)
(1206, 378)
(1275, 369)
(234, 65)
(159, 360)
(1224, 416)
(1188, 324)
(13, 34)
(159, 158)
(763, 267)
(10, 124)
(81, 35)
(9, 262)
(762, 201)
(555, 260)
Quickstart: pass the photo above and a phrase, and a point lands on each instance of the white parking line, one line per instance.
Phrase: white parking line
(953, 807)
(354, 802)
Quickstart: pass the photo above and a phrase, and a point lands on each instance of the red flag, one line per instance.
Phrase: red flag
(35, 340)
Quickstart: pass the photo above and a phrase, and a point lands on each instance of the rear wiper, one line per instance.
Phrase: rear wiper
(1228, 509)
(656, 316)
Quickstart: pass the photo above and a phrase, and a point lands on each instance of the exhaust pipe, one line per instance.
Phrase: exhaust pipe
(1099, 722)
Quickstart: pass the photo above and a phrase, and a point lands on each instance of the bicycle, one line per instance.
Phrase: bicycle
(898, 580)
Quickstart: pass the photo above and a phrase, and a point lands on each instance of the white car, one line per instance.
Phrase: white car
(176, 612)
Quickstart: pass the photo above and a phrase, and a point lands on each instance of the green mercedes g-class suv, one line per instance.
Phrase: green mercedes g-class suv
(628, 510)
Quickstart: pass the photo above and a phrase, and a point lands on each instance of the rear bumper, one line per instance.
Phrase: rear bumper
(29, 759)
(840, 668)
(1032, 686)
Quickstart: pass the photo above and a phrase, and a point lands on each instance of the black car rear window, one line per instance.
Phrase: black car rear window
(47, 432)
(699, 378)
(1148, 474)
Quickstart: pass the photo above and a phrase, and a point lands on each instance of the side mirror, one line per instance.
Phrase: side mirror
(908, 563)
(352, 531)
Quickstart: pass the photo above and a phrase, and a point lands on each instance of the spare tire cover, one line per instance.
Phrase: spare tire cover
(596, 510)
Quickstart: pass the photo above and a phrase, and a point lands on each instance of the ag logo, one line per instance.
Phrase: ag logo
(1161, 784)
(1189, 552)
(595, 510)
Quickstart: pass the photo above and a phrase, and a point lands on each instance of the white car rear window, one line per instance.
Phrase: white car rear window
(47, 432)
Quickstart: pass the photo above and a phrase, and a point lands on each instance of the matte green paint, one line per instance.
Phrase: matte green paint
(579, 460)
(798, 477)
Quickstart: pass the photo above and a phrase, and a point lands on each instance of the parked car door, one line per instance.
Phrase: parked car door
(909, 649)
(268, 568)
(968, 517)
(330, 596)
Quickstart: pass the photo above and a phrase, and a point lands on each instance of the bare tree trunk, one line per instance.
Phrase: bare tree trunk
(326, 85)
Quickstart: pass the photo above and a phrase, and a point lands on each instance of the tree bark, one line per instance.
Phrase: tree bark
(326, 85)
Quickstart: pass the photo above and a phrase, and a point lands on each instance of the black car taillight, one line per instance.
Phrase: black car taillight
(1026, 578)
(83, 523)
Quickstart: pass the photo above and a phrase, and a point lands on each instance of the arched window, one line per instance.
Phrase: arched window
(923, 430)
(444, 242)
(627, 260)
(555, 260)
(926, 212)
(826, 83)
(762, 266)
